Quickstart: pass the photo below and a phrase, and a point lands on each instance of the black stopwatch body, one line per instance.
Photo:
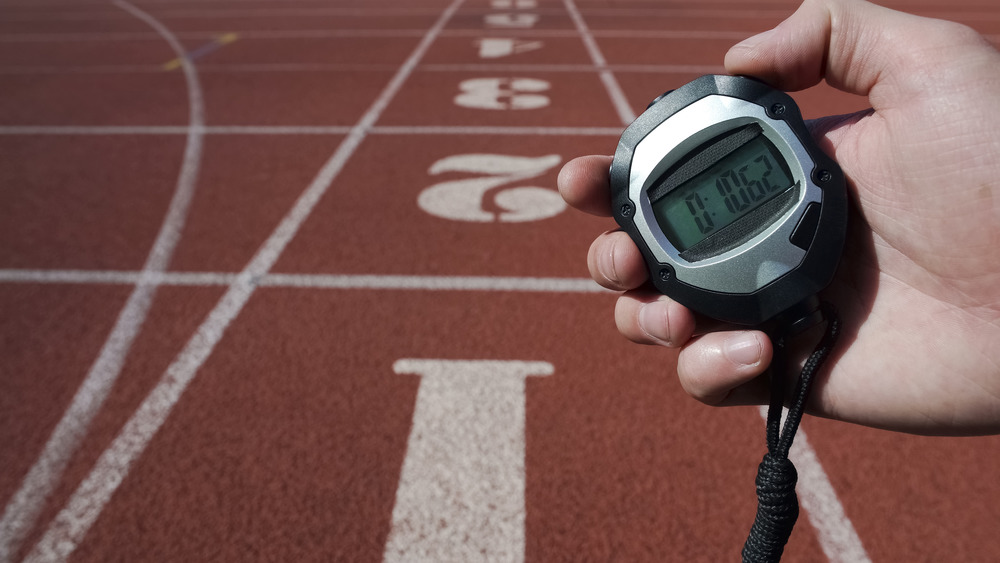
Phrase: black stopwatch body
(737, 212)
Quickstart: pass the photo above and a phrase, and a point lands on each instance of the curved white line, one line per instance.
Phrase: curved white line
(85, 505)
(24, 507)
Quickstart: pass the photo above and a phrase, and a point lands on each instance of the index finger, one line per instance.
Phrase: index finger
(584, 183)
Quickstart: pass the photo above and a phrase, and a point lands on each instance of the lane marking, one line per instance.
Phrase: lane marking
(618, 98)
(306, 130)
(836, 534)
(503, 94)
(513, 4)
(472, 198)
(658, 68)
(500, 47)
(166, 130)
(222, 13)
(23, 509)
(776, 14)
(834, 530)
(115, 277)
(358, 67)
(667, 13)
(436, 283)
(308, 281)
(462, 486)
(393, 33)
(515, 20)
(70, 526)
(200, 52)
(247, 34)
(497, 130)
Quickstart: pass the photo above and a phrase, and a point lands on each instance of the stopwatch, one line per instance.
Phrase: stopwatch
(737, 212)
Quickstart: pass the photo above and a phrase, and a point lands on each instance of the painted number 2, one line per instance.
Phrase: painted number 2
(466, 200)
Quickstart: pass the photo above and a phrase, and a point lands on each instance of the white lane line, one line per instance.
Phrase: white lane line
(435, 283)
(602, 67)
(706, 35)
(303, 130)
(72, 523)
(462, 486)
(87, 69)
(170, 130)
(308, 281)
(116, 277)
(671, 34)
(499, 130)
(277, 130)
(618, 98)
(668, 13)
(25, 505)
(221, 13)
(95, 130)
(385, 33)
(249, 34)
(613, 33)
(350, 67)
(834, 530)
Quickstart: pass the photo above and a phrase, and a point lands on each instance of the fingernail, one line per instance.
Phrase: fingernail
(751, 42)
(653, 321)
(743, 349)
(606, 263)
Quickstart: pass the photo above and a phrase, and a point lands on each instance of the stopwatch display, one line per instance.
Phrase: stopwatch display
(738, 213)
(742, 181)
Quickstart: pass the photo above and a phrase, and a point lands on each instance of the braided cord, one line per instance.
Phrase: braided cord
(777, 505)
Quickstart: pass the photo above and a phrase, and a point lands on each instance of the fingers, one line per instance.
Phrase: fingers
(583, 183)
(615, 262)
(716, 368)
(854, 45)
(721, 368)
(646, 317)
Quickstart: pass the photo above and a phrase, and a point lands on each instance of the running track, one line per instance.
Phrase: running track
(289, 281)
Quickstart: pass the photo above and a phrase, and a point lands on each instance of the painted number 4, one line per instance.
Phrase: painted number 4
(466, 200)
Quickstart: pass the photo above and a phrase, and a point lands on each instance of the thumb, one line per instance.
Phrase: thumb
(857, 47)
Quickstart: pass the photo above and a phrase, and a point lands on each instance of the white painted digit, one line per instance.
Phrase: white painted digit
(496, 48)
(461, 490)
(502, 93)
(463, 200)
(510, 21)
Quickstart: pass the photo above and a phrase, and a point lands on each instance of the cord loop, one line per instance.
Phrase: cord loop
(777, 505)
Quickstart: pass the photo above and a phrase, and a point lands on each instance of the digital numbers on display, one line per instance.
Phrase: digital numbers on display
(737, 184)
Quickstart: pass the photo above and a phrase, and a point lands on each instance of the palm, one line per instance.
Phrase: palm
(919, 284)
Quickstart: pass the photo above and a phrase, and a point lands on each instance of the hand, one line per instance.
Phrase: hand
(918, 287)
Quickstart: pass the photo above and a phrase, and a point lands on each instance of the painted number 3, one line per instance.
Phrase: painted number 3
(503, 93)
(466, 199)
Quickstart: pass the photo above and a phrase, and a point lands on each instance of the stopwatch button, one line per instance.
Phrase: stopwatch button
(802, 236)
(658, 98)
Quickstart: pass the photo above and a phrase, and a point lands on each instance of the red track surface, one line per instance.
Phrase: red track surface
(177, 411)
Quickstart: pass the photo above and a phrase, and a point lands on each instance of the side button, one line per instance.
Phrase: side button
(802, 236)
(658, 98)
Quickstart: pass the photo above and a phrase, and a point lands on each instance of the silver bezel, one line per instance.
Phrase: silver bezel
(765, 257)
